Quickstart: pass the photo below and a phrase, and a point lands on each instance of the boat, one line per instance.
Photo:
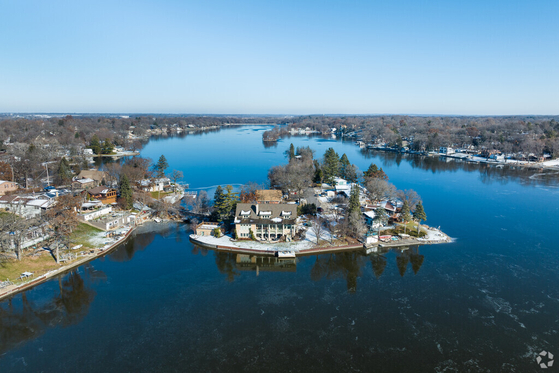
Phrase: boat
(157, 220)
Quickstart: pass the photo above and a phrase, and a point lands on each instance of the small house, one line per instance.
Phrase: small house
(7, 186)
(84, 183)
(104, 194)
(206, 229)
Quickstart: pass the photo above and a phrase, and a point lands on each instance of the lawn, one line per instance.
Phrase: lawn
(13, 268)
(86, 235)
(411, 229)
(157, 195)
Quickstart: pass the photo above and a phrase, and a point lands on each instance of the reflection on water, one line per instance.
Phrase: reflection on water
(488, 172)
(347, 265)
(141, 239)
(22, 320)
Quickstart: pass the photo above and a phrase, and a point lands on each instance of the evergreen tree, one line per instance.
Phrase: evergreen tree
(225, 202)
(125, 191)
(108, 147)
(419, 215)
(331, 165)
(63, 172)
(374, 172)
(406, 216)
(161, 166)
(318, 176)
(290, 154)
(218, 201)
(354, 204)
(344, 162)
(95, 145)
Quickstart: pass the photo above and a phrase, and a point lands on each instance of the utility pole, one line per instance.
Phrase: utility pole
(48, 178)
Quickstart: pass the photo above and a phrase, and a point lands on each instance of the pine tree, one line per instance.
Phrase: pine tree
(344, 162)
(125, 191)
(161, 166)
(225, 202)
(354, 204)
(374, 172)
(419, 215)
(63, 172)
(331, 165)
(406, 216)
(95, 145)
(108, 147)
(318, 176)
(291, 152)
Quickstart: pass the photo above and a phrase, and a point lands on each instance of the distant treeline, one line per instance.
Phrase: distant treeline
(508, 134)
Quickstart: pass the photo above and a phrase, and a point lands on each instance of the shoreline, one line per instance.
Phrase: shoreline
(321, 250)
(14, 289)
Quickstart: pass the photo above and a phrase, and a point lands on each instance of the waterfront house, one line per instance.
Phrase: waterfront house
(114, 221)
(206, 228)
(268, 222)
(99, 176)
(7, 186)
(155, 185)
(104, 194)
(28, 206)
(446, 150)
(93, 210)
(84, 183)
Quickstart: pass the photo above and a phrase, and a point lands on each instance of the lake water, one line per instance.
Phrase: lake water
(489, 301)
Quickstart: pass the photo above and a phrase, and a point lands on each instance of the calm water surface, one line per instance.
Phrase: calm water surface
(486, 303)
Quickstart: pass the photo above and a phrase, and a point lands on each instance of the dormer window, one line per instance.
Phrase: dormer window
(286, 213)
(245, 213)
(265, 213)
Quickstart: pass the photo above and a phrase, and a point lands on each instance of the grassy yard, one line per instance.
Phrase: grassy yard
(411, 229)
(85, 234)
(12, 268)
(157, 195)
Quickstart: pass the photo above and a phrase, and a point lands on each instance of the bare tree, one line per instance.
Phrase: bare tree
(379, 189)
(175, 176)
(63, 219)
(410, 196)
(317, 227)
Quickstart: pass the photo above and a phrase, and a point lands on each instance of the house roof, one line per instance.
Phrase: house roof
(85, 180)
(268, 213)
(4, 181)
(92, 174)
(7, 199)
(40, 202)
(100, 190)
(269, 195)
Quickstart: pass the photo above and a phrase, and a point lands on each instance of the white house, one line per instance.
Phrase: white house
(446, 150)
(155, 185)
(93, 210)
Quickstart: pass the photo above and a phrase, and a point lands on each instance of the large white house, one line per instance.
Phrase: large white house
(267, 222)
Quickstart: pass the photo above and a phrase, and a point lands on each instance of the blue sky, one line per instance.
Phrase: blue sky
(472, 57)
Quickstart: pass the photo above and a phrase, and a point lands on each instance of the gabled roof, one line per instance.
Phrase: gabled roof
(8, 199)
(84, 180)
(279, 212)
(100, 190)
(92, 174)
